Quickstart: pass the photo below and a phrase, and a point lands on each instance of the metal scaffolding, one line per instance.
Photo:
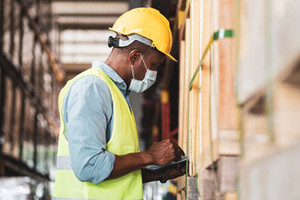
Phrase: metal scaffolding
(29, 86)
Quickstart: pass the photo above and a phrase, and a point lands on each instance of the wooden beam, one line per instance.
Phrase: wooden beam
(227, 115)
(195, 114)
(182, 104)
(205, 86)
(186, 83)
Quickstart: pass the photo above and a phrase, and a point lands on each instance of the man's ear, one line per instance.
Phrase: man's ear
(133, 56)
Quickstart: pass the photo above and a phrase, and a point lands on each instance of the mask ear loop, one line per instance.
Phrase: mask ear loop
(132, 72)
(144, 62)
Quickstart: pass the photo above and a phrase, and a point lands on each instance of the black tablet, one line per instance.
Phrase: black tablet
(157, 168)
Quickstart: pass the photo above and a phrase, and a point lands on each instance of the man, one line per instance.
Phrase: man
(98, 153)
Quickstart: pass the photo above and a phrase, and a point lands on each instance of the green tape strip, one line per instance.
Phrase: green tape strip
(223, 33)
(220, 34)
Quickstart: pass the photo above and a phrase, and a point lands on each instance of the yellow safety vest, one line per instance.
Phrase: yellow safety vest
(124, 140)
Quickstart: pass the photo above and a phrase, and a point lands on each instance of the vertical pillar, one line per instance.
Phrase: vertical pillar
(35, 139)
(21, 32)
(1, 23)
(21, 129)
(2, 103)
(12, 28)
(12, 117)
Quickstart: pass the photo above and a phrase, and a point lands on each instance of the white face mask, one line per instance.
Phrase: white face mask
(140, 86)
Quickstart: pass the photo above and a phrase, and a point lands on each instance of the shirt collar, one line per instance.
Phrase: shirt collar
(111, 73)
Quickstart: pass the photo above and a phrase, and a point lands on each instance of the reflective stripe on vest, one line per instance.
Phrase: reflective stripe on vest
(63, 162)
(124, 140)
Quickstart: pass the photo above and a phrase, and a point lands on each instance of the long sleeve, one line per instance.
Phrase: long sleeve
(88, 111)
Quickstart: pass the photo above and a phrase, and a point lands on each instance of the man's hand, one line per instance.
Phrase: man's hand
(160, 153)
(165, 152)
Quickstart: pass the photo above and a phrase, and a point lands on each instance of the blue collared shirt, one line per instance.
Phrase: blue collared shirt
(88, 116)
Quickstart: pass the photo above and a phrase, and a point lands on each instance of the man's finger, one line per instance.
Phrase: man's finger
(179, 149)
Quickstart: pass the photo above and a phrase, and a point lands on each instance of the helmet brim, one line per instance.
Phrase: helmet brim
(171, 57)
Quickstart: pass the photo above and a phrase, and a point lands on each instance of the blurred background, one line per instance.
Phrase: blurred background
(43, 44)
(232, 102)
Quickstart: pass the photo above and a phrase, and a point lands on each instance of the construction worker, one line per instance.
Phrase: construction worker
(98, 152)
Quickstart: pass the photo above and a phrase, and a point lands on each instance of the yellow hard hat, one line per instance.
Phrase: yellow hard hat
(149, 23)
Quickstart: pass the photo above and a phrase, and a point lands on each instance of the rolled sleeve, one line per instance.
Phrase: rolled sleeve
(88, 112)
